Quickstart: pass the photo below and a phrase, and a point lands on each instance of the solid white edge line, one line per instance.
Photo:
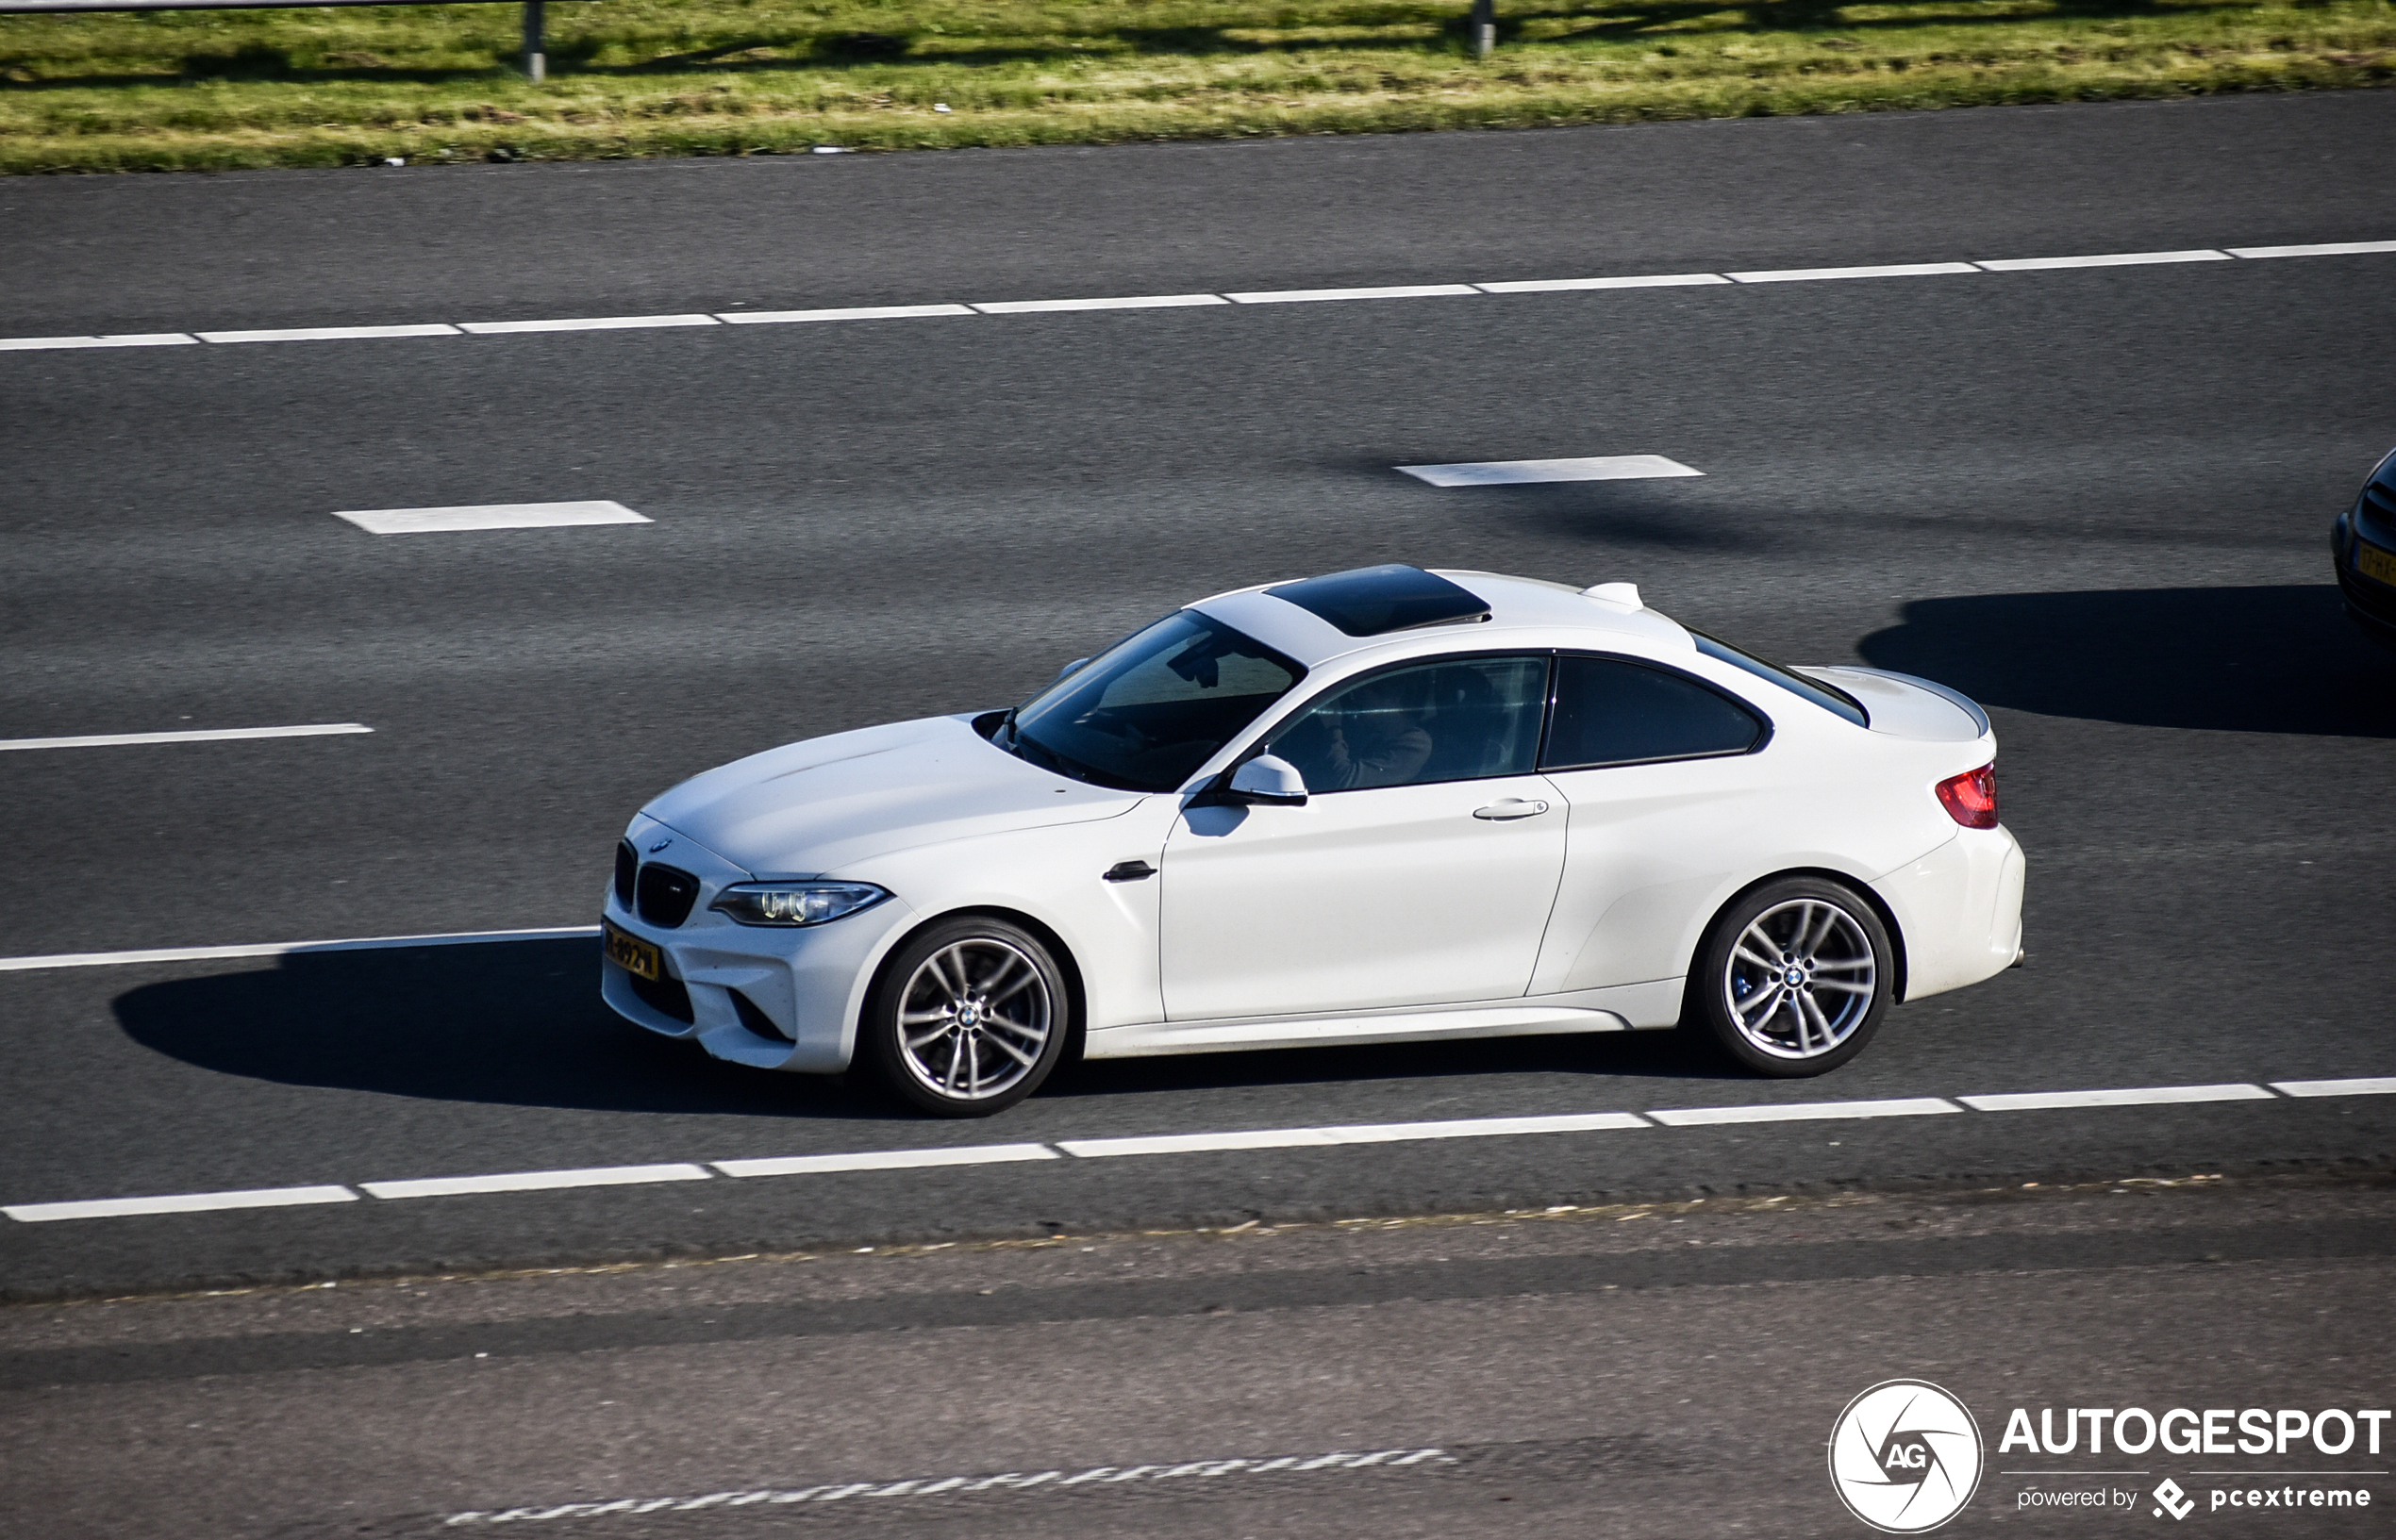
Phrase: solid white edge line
(188, 1202)
(1135, 302)
(328, 334)
(1799, 1112)
(288, 948)
(1883, 269)
(201, 735)
(1644, 280)
(886, 1160)
(854, 312)
(2333, 248)
(2148, 1095)
(589, 1176)
(2377, 1085)
(139, 339)
(2115, 260)
(584, 323)
(1180, 1144)
(1388, 291)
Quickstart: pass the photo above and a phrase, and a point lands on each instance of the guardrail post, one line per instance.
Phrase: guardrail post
(1484, 27)
(536, 62)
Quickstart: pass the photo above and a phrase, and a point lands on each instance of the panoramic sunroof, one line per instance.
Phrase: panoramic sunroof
(1374, 600)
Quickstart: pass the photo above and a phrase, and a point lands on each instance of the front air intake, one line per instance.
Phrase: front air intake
(665, 895)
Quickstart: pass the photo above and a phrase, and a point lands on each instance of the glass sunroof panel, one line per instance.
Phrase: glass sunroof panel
(1372, 601)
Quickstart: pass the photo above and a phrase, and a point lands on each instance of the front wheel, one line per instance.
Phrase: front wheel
(970, 1019)
(1794, 978)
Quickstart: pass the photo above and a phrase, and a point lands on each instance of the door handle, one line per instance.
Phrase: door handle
(1512, 807)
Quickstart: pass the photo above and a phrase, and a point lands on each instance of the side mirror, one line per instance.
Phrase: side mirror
(1271, 780)
(1068, 669)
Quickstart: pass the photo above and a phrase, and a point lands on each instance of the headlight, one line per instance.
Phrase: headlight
(797, 903)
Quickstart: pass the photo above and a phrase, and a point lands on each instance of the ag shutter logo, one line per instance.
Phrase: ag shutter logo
(1905, 1456)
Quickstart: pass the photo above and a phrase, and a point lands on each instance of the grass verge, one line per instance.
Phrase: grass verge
(217, 90)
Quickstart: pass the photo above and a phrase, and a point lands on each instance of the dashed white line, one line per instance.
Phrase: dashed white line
(197, 734)
(850, 312)
(886, 1160)
(328, 334)
(2114, 259)
(491, 516)
(1386, 291)
(1640, 280)
(584, 323)
(1521, 473)
(2332, 248)
(187, 1202)
(1136, 302)
(1795, 1112)
(1881, 270)
(2139, 1096)
(2377, 1085)
(142, 339)
(1289, 1138)
(591, 1176)
(285, 949)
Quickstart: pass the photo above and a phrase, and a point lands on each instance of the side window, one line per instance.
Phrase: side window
(1458, 719)
(1609, 711)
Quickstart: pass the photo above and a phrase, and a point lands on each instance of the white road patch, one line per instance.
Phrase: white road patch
(1799, 1112)
(886, 1160)
(2141, 1096)
(285, 949)
(944, 1485)
(584, 323)
(1522, 472)
(853, 312)
(197, 734)
(1286, 1138)
(2381, 1086)
(1136, 301)
(1880, 270)
(328, 334)
(136, 340)
(1636, 280)
(2116, 259)
(188, 1202)
(2333, 248)
(1390, 291)
(590, 1176)
(491, 516)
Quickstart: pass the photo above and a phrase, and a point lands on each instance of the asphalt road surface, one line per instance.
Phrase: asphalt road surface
(2093, 498)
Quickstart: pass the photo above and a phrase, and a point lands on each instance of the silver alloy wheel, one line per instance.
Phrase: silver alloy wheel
(974, 1018)
(1800, 979)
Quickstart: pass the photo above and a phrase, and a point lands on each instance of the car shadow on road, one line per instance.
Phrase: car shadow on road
(513, 1023)
(1667, 1055)
(2281, 659)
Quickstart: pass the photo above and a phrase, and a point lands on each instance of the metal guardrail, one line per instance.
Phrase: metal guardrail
(536, 55)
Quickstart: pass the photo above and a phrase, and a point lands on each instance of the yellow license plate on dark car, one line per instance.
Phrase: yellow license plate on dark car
(2376, 564)
(631, 952)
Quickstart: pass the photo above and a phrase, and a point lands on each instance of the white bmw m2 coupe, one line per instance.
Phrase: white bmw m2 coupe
(1378, 806)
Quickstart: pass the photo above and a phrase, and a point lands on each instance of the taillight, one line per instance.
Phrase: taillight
(1971, 799)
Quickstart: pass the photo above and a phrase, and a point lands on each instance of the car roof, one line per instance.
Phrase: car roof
(1523, 611)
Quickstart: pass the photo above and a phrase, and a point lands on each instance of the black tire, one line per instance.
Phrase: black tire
(1814, 999)
(969, 1017)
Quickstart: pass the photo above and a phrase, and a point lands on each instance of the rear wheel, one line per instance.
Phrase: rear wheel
(970, 1019)
(1794, 978)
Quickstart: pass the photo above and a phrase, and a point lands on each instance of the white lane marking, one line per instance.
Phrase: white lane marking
(1390, 291)
(2141, 1096)
(1135, 302)
(285, 949)
(328, 334)
(1879, 269)
(1798, 1112)
(884, 1160)
(2114, 259)
(2382, 1085)
(188, 1202)
(202, 735)
(1519, 472)
(1638, 280)
(491, 516)
(1285, 1138)
(590, 1176)
(584, 323)
(2333, 248)
(853, 312)
(928, 1487)
(131, 339)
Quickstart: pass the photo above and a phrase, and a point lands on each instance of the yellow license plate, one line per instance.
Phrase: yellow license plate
(2373, 562)
(631, 952)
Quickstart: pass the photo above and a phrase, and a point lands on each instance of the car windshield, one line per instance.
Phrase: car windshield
(1147, 712)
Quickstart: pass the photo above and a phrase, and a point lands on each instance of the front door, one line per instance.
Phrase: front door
(1419, 872)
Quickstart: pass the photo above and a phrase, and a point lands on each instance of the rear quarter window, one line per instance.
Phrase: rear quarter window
(1613, 711)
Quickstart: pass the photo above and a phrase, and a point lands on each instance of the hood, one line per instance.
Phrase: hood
(813, 808)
